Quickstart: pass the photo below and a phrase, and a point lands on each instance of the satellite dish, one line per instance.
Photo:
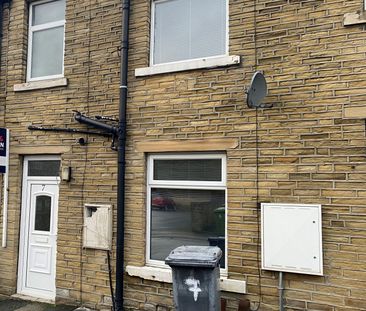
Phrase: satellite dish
(257, 91)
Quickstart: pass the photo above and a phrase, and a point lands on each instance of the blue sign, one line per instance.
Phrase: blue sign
(3, 149)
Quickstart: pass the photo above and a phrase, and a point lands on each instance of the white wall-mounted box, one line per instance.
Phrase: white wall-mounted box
(292, 238)
(97, 226)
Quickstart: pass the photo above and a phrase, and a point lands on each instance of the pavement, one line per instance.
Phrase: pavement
(23, 305)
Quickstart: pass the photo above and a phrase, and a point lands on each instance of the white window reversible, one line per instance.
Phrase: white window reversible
(46, 40)
(188, 29)
(186, 203)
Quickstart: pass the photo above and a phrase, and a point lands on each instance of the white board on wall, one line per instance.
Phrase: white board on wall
(97, 231)
(292, 238)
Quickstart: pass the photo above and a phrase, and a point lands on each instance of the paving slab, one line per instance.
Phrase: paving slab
(22, 305)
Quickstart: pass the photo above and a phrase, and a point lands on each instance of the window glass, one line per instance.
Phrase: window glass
(208, 33)
(171, 31)
(42, 220)
(194, 170)
(48, 12)
(47, 52)
(46, 40)
(186, 217)
(188, 29)
(188, 213)
(44, 168)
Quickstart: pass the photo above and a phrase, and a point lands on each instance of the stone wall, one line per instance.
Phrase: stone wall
(309, 150)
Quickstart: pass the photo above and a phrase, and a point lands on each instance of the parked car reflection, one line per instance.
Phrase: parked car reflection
(161, 202)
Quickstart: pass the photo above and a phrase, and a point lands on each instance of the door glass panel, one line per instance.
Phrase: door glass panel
(44, 168)
(42, 221)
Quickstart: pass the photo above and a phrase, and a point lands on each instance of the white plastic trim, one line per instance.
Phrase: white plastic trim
(165, 275)
(23, 240)
(188, 65)
(6, 192)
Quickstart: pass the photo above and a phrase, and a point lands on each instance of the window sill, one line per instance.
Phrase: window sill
(188, 65)
(350, 19)
(165, 275)
(43, 84)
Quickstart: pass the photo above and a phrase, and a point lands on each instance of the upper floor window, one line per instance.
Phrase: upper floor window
(188, 29)
(46, 40)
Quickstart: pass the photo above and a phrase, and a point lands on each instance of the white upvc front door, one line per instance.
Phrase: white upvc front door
(38, 239)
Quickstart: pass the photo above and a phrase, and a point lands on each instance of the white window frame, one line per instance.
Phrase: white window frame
(33, 29)
(182, 184)
(189, 64)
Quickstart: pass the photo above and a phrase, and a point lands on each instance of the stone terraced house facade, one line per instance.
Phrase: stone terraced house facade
(198, 159)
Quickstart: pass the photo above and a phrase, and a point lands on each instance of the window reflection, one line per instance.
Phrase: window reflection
(186, 217)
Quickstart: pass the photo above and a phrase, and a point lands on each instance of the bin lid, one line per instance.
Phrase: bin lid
(220, 210)
(194, 256)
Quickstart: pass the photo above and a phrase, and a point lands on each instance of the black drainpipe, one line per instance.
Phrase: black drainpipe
(121, 157)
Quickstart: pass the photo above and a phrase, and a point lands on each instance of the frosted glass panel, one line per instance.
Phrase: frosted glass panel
(42, 220)
(47, 52)
(48, 12)
(187, 29)
(44, 168)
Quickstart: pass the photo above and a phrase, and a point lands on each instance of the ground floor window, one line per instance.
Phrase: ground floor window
(186, 203)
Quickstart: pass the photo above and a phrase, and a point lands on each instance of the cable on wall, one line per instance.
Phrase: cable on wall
(110, 280)
(257, 163)
(86, 108)
(258, 208)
